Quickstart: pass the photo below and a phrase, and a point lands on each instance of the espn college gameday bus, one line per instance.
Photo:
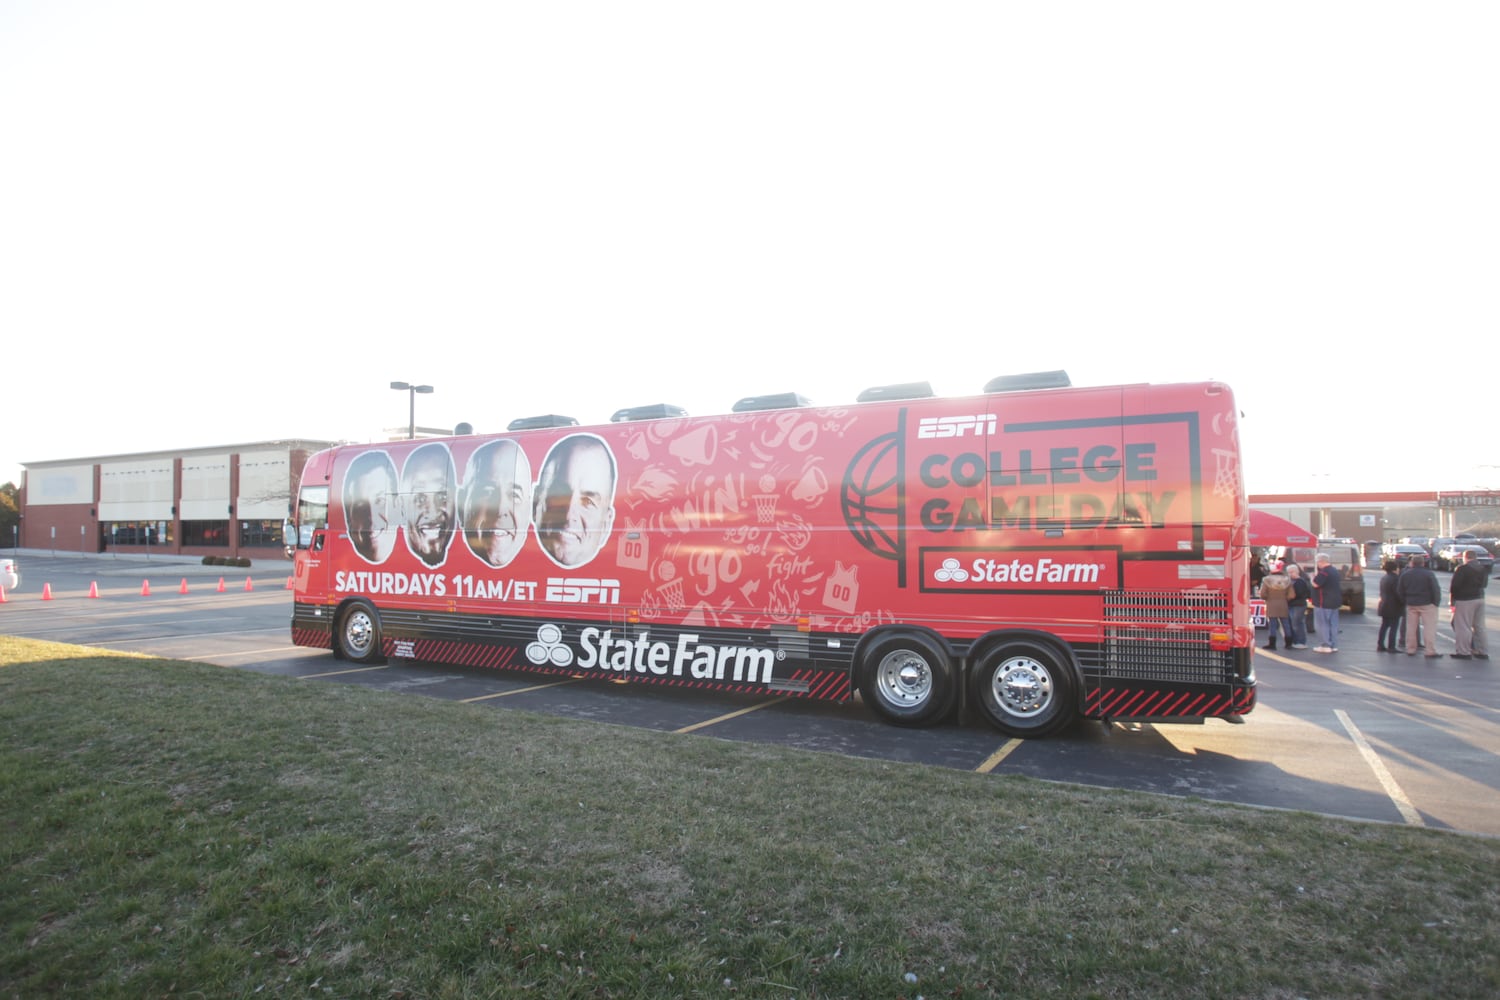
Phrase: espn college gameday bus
(1037, 554)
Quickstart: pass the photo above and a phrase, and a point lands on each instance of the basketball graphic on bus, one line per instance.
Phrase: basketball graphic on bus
(871, 496)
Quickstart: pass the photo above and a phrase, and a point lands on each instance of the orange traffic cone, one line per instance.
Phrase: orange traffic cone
(46, 591)
(221, 585)
(183, 589)
(247, 584)
(145, 588)
(289, 584)
(94, 588)
(3, 598)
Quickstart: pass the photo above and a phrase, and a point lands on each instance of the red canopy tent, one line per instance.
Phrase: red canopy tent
(1268, 529)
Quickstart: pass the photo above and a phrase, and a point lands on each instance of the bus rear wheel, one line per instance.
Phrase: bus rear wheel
(1024, 689)
(359, 634)
(908, 679)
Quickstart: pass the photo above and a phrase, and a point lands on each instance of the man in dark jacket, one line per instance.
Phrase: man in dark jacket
(1419, 590)
(1466, 597)
(1328, 597)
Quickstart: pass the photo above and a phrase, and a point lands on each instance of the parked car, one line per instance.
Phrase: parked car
(1436, 550)
(1453, 556)
(1401, 552)
(1346, 558)
(1423, 540)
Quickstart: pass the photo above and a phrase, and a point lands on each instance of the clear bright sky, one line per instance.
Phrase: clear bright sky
(224, 223)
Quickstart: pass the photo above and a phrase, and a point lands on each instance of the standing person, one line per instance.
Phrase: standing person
(1466, 598)
(1296, 605)
(1406, 564)
(1420, 591)
(1328, 597)
(1257, 574)
(1392, 611)
(1274, 590)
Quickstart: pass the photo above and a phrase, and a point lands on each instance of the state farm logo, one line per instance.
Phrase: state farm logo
(951, 571)
(683, 655)
(549, 648)
(1025, 571)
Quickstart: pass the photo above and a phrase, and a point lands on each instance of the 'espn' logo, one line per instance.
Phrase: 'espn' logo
(582, 590)
(950, 427)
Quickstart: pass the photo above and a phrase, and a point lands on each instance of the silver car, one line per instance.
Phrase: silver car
(1453, 556)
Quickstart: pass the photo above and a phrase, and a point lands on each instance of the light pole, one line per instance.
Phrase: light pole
(411, 425)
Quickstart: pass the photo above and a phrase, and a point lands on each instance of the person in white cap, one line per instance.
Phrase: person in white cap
(1328, 598)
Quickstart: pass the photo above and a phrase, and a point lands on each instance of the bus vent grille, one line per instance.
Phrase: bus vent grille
(1164, 636)
(1167, 607)
(1164, 655)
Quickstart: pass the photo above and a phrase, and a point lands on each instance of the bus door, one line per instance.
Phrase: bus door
(311, 556)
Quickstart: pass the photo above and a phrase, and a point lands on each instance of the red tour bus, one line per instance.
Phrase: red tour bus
(1039, 552)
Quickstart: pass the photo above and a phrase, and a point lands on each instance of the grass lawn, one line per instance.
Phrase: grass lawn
(175, 829)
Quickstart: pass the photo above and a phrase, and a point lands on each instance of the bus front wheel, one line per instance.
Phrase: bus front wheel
(359, 634)
(908, 679)
(1024, 689)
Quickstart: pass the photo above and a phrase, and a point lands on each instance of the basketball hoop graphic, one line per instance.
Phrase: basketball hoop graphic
(765, 501)
(671, 588)
(1226, 473)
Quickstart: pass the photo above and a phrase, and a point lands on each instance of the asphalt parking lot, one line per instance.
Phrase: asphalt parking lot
(1360, 734)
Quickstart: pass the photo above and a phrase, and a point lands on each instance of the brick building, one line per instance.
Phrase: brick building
(229, 500)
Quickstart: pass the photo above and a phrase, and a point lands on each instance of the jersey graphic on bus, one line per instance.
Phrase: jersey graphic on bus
(1039, 555)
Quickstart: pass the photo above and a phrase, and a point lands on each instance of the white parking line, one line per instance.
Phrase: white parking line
(1392, 790)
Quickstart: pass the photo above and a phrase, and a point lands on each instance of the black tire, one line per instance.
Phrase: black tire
(358, 634)
(908, 678)
(1025, 689)
(1357, 606)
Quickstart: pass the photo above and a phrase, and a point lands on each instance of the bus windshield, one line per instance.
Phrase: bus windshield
(312, 513)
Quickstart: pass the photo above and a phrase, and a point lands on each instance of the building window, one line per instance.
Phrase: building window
(214, 534)
(261, 533)
(138, 532)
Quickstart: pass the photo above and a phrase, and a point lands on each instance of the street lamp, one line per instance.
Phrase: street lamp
(411, 426)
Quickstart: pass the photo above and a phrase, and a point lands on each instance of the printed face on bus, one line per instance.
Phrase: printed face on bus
(497, 501)
(370, 506)
(575, 499)
(427, 492)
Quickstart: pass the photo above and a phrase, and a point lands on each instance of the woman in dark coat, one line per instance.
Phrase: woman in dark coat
(1392, 611)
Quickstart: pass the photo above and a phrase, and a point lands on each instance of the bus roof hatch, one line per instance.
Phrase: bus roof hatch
(904, 390)
(656, 411)
(545, 420)
(774, 401)
(1031, 380)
